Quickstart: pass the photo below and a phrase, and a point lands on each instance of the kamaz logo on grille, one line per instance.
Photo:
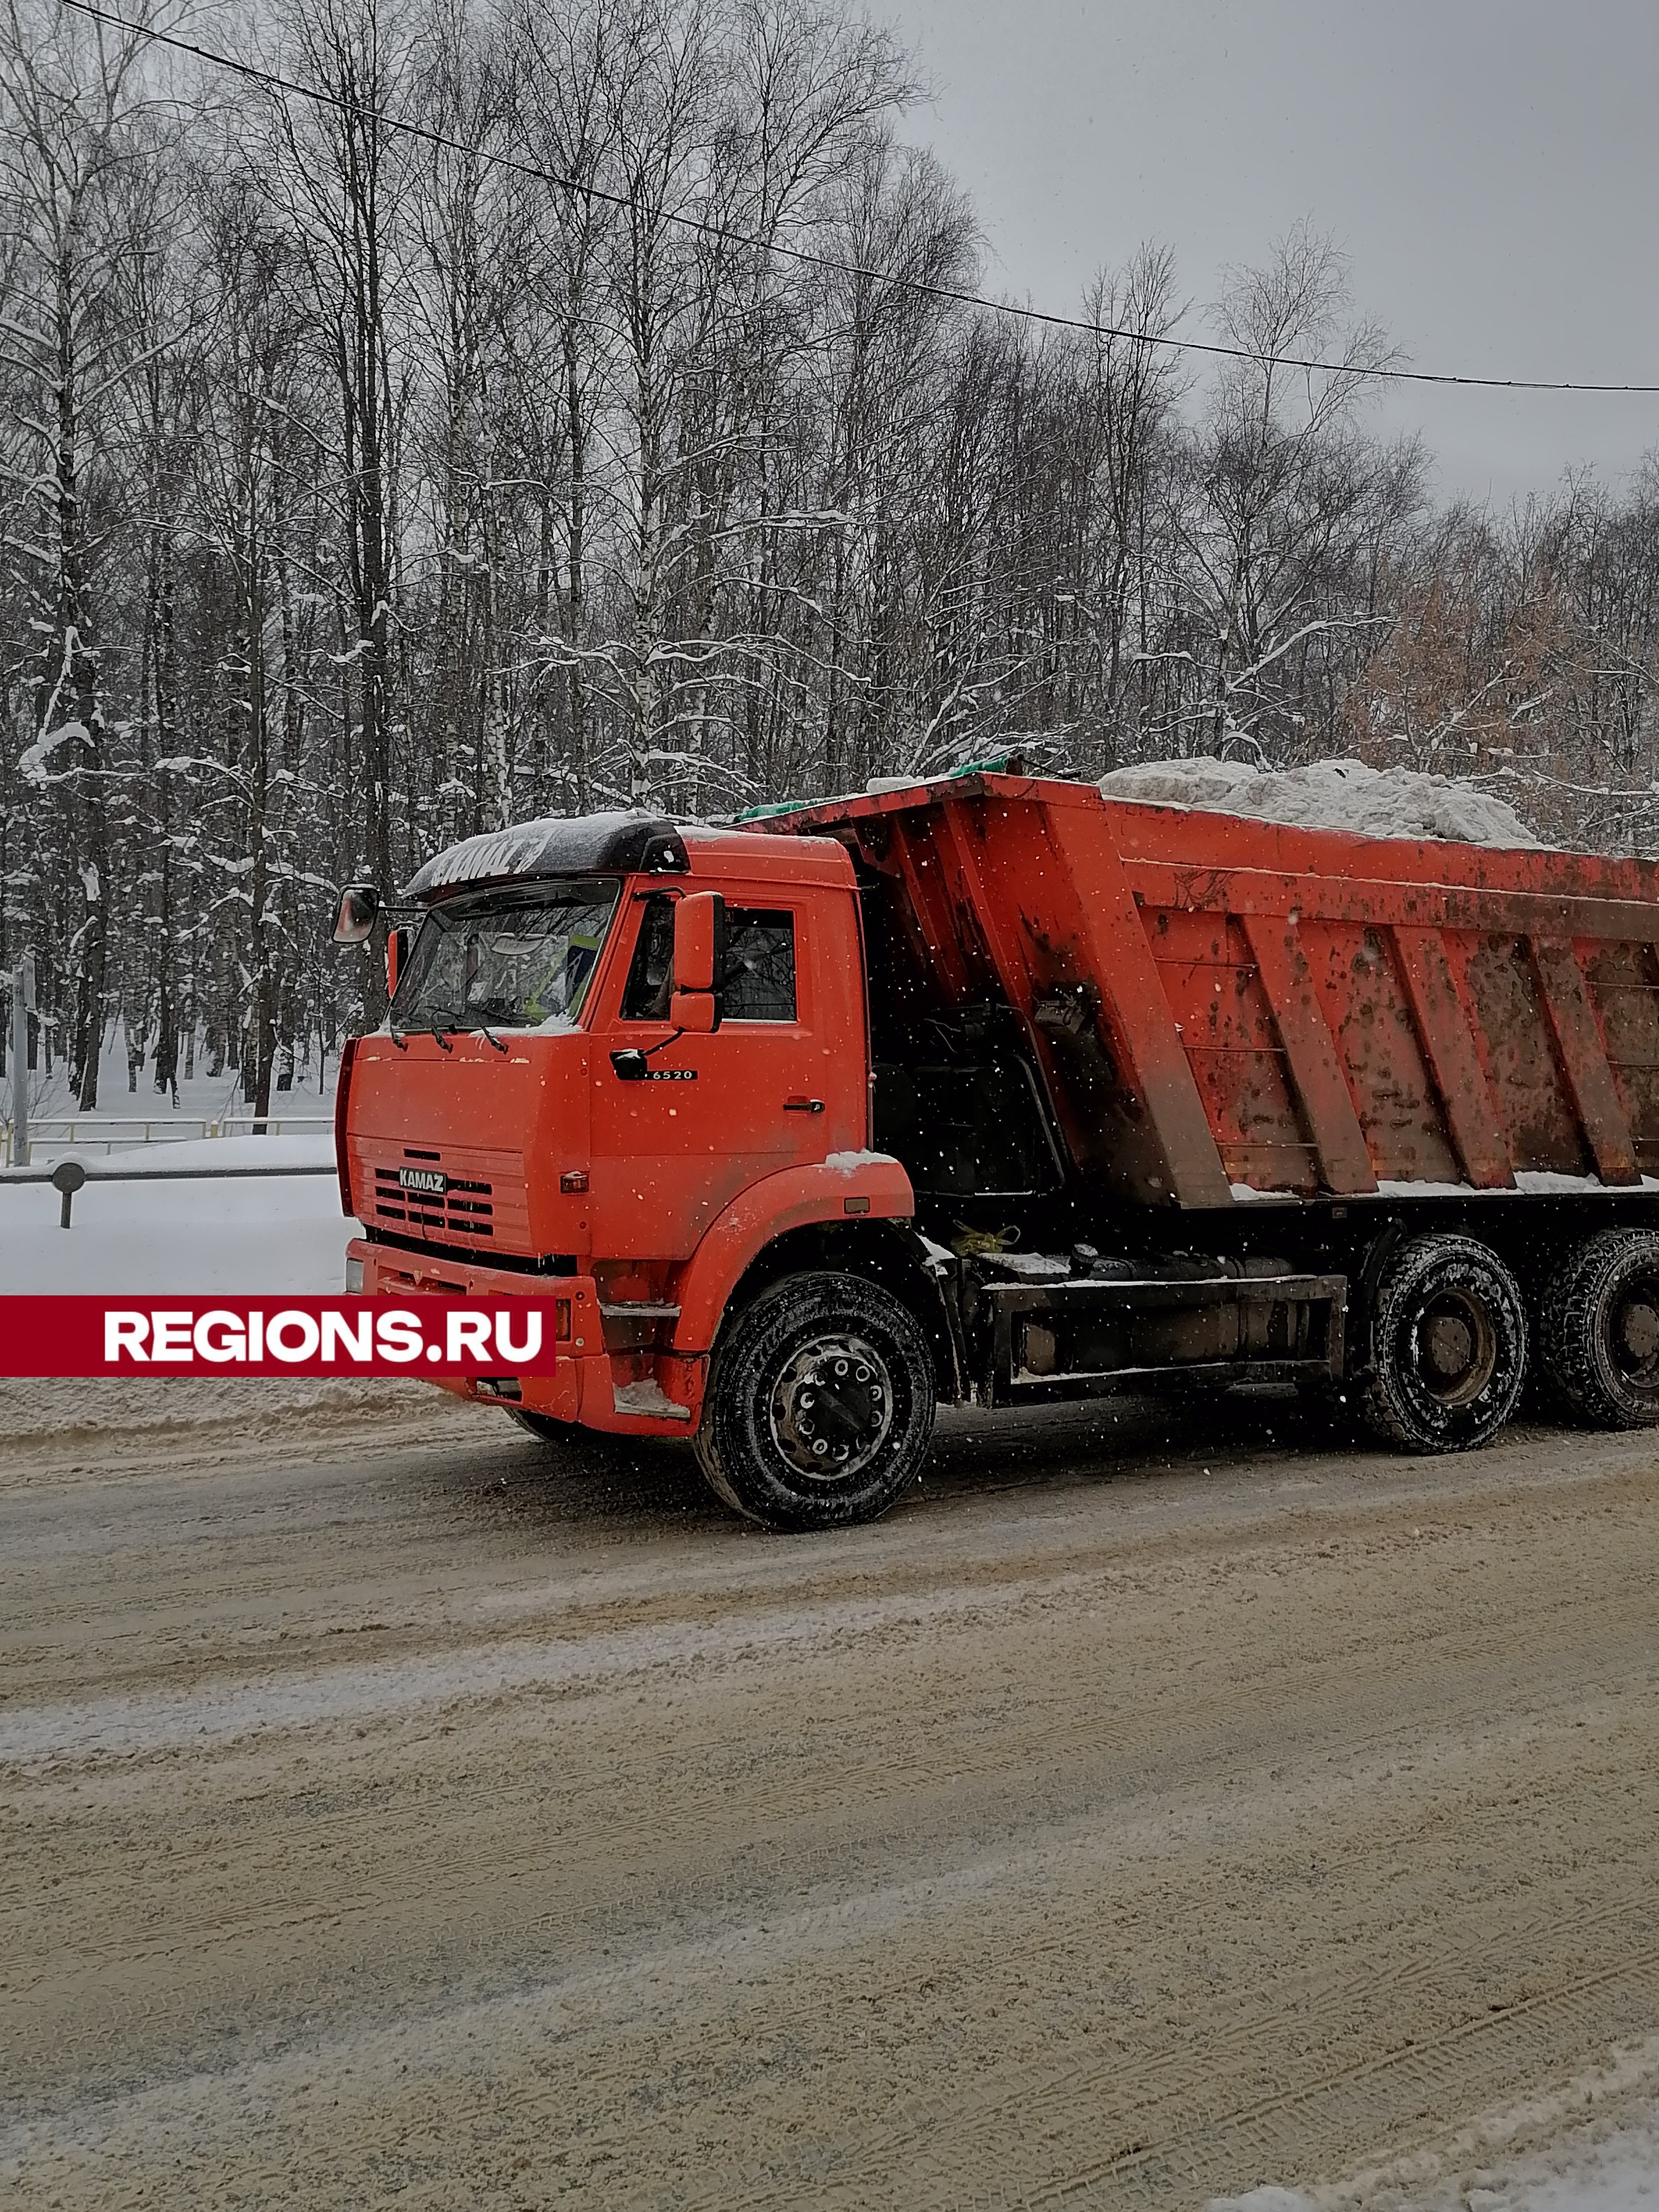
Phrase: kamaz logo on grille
(428, 1179)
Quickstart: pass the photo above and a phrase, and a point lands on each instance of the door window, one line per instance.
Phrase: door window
(651, 973)
(760, 965)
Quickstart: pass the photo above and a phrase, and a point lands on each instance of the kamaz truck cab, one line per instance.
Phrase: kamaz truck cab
(627, 1062)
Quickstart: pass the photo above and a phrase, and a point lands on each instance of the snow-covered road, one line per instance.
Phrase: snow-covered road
(1160, 1804)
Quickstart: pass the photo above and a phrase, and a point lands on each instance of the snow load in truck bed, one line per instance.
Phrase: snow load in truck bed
(1343, 794)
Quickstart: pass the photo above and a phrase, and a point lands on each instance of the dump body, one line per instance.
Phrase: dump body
(1222, 1007)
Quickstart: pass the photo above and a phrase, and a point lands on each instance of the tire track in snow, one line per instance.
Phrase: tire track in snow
(162, 1720)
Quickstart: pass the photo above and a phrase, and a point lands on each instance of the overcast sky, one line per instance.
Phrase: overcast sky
(1491, 168)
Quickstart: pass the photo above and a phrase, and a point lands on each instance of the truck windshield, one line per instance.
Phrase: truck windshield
(519, 960)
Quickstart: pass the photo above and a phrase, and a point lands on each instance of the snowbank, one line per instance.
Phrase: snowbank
(1604, 2168)
(69, 1414)
(254, 1236)
(1620, 2174)
(1342, 795)
(304, 1152)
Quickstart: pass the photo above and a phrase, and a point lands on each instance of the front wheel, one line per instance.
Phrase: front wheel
(1448, 1346)
(595, 1447)
(545, 1427)
(820, 1404)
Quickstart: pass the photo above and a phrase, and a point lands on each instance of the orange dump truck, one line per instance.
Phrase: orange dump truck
(996, 1090)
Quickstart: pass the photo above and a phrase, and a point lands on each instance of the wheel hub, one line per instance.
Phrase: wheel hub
(1449, 1345)
(1638, 1329)
(831, 1407)
(1455, 1348)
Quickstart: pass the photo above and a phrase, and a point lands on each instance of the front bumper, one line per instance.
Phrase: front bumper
(585, 1379)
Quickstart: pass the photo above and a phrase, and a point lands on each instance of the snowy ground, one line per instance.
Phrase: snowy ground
(1611, 2165)
(1613, 2170)
(257, 1236)
(1621, 2176)
(1153, 1806)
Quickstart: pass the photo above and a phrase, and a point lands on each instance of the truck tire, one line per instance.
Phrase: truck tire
(597, 1446)
(1448, 1347)
(820, 1404)
(1599, 1330)
(546, 1427)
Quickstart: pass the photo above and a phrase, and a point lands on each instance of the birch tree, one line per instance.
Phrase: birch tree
(1280, 480)
(79, 120)
(340, 182)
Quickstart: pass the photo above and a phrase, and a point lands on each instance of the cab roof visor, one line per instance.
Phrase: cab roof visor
(633, 843)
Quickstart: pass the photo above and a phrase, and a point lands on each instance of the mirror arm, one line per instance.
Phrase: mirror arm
(387, 911)
(640, 1053)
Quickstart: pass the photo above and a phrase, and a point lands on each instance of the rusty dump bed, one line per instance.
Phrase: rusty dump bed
(1222, 1006)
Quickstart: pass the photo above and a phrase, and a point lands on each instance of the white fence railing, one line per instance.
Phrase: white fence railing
(108, 1132)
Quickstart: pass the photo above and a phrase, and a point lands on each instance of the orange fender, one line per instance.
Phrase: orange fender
(865, 1185)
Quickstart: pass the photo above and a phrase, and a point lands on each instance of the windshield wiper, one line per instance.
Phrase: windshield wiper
(439, 1023)
(447, 1024)
(453, 1028)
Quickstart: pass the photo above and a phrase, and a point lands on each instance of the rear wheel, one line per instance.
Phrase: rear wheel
(1599, 1334)
(820, 1404)
(1448, 1346)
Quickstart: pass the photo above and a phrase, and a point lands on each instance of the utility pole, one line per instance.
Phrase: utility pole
(22, 1006)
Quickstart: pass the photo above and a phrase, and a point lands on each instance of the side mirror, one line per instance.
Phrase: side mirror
(358, 912)
(696, 1012)
(699, 964)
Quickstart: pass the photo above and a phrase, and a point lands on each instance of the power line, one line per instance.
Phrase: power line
(805, 257)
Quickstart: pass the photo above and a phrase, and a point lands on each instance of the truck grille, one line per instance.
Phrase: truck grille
(442, 1194)
(465, 1208)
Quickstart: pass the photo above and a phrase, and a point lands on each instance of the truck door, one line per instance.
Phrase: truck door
(779, 1085)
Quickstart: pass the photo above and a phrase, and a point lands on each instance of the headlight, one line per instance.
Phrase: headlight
(353, 1276)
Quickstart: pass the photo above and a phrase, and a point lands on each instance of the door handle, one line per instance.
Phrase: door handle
(803, 1105)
